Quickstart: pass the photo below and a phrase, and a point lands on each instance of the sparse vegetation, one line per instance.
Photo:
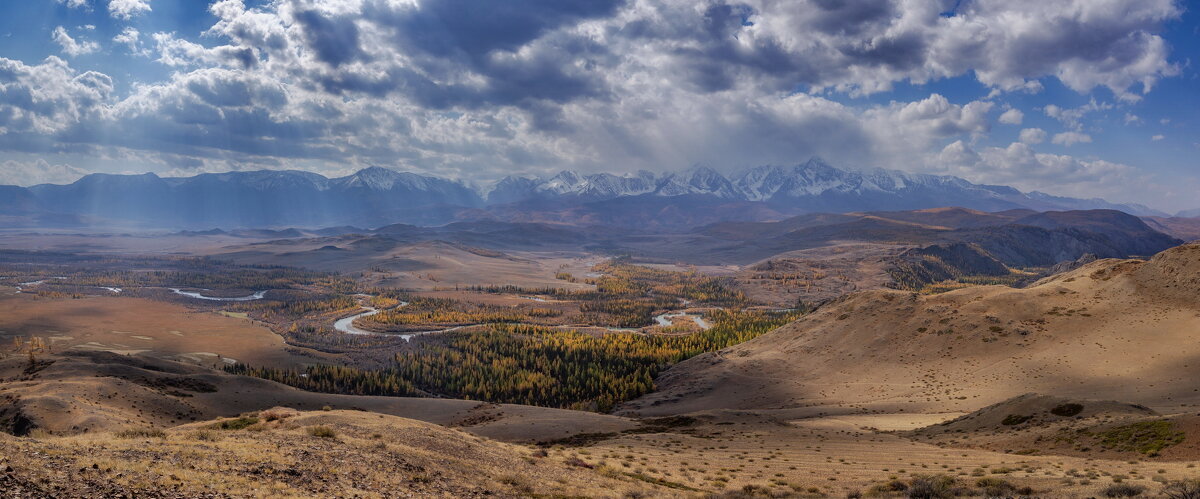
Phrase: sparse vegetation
(932, 487)
(322, 432)
(236, 423)
(1122, 490)
(1146, 437)
(1182, 489)
(1067, 410)
(141, 433)
(995, 487)
(1015, 419)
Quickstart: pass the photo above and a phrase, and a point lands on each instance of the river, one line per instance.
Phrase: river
(346, 324)
(258, 295)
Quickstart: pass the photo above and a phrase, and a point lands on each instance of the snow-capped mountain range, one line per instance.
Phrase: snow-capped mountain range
(377, 196)
(810, 186)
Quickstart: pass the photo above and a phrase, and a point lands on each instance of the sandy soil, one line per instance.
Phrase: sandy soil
(729, 450)
(142, 326)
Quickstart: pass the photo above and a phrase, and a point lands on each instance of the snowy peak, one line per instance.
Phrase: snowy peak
(593, 186)
(566, 182)
(698, 180)
(375, 178)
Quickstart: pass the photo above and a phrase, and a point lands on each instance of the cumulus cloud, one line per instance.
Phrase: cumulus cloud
(1019, 165)
(37, 172)
(561, 50)
(76, 4)
(1071, 138)
(1012, 117)
(71, 46)
(41, 101)
(178, 52)
(131, 38)
(127, 9)
(1073, 118)
(1033, 136)
(1157, 138)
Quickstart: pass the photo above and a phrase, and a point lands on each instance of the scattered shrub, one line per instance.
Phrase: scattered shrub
(1122, 490)
(1014, 419)
(574, 461)
(995, 486)
(1183, 489)
(236, 424)
(1146, 437)
(1067, 410)
(932, 487)
(322, 431)
(142, 433)
(206, 436)
(277, 413)
(884, 488)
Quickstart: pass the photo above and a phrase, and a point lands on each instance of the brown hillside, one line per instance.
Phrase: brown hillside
(312, 454)
(1035, 424)
(1113, 329)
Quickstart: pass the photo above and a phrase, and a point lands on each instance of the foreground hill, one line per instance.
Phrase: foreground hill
(313, 454)
(1112, 329)
(1048, 425)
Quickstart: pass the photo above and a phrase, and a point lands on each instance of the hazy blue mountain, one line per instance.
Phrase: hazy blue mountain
(379, 196)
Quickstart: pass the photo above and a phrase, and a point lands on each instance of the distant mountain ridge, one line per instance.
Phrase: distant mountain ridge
(379, 196)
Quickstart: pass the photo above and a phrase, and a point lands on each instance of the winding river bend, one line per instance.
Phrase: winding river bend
(346, 324)
(258, 295)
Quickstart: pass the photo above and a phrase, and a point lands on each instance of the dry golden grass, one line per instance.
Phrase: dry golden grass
(369, 455)
(1110, 330)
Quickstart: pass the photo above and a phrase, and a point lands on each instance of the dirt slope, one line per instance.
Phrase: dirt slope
(143, 326)
(1121, 330)
(313, 454)
(1033, 424)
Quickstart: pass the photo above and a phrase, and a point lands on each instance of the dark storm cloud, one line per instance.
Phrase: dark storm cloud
(335, 40)
(472, 29)
(850, 17)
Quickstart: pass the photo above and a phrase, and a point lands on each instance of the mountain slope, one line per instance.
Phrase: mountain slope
(1113, 329)
(379, 196)
(1187, 229)
(1017, 238)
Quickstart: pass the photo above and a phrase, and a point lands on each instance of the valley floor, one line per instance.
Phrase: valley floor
(876, 393)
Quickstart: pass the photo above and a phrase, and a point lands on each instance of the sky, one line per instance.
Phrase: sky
(1086, 98)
